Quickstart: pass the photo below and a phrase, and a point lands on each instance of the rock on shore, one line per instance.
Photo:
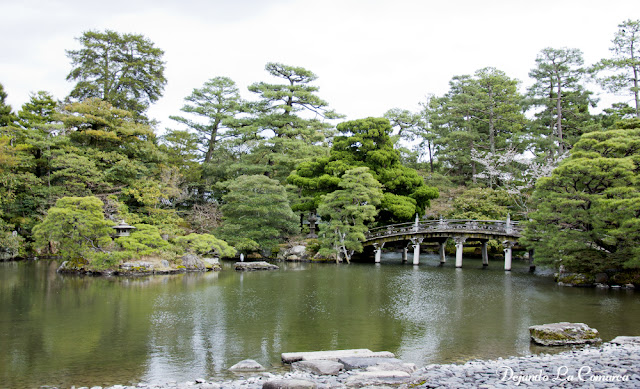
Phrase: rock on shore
(563, 334)
(261, 265)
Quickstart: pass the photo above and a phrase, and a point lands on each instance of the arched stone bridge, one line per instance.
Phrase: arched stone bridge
(460, 230)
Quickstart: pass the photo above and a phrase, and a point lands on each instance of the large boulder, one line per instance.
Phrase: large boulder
(294, 253)
(193, 262)
(563, 334)
(574, 279)
(247, 365)
(261, 265)
(212, 263)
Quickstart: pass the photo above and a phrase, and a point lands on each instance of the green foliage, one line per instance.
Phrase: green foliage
(480, 112)
(39, 112)
(205, 244)
(481, 204)
(144, 240)
(621, 72)
(346, 212)
(217, 103)
(125, 70)
(6, 113)
(587, 217)
(77, 227)
(365, 143)
(564, 101)
(256, 213)
(284, 134)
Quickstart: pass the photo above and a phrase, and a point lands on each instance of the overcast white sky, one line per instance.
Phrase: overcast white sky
(370, 56)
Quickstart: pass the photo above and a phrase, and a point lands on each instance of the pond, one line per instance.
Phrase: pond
(64, 330)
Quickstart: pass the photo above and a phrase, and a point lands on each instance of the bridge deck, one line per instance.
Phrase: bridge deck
(461, 230)
(445, 228)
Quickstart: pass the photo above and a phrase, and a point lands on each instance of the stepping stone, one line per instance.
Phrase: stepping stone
(333, 355)
(626, 340)
(369, 378)
(351, 363)
(406, 367)
(320, 367)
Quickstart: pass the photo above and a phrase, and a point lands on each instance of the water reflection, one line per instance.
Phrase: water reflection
(67, 330)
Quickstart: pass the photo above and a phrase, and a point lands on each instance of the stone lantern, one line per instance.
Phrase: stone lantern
(122, 229)
(312, 226)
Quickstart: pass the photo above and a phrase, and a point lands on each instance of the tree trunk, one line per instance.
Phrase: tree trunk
(212, 141)
(430, 156)
(559, 117)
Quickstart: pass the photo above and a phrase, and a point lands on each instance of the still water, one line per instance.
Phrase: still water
(63, 330)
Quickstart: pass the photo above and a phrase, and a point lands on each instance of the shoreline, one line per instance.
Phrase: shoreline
(608, 365)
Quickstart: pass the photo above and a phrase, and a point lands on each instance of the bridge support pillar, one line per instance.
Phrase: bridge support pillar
(441, 247)
(405, 252)
(416, 250)
(459, 246)
(485, 254)
(508, 244)
(378, 247)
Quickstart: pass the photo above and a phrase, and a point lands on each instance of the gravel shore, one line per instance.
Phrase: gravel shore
(606, 366)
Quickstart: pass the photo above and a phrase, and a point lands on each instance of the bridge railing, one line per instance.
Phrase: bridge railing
(495, 226)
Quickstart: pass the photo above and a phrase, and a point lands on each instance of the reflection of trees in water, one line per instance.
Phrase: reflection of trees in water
(459, 314)
(70, 329)
(259, 315)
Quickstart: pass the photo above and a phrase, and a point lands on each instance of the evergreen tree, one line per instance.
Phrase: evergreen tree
(346, 212)
(256, 214)
(365, 143)
(76, 228)
(7, 117)
(289, 123)
(622, 70)
(564, 101)
(125, 70)
(39, 112)
(588, 210)
(480, 112)
(218, 103)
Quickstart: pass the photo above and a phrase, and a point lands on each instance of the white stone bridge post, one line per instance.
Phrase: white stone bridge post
(459, 247)
(507, 244)
(416, 250)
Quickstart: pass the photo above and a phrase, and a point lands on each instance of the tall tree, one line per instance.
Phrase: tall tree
(125, 70)
(39, 112)
(426, 132)
(564, 101)
(290, 121)
(347, 211)
(588, 210)
(480, 112)
(365, 143)
(6, 113)
(407, 126)
(218, 104)
(624, 66)
(256, 214)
